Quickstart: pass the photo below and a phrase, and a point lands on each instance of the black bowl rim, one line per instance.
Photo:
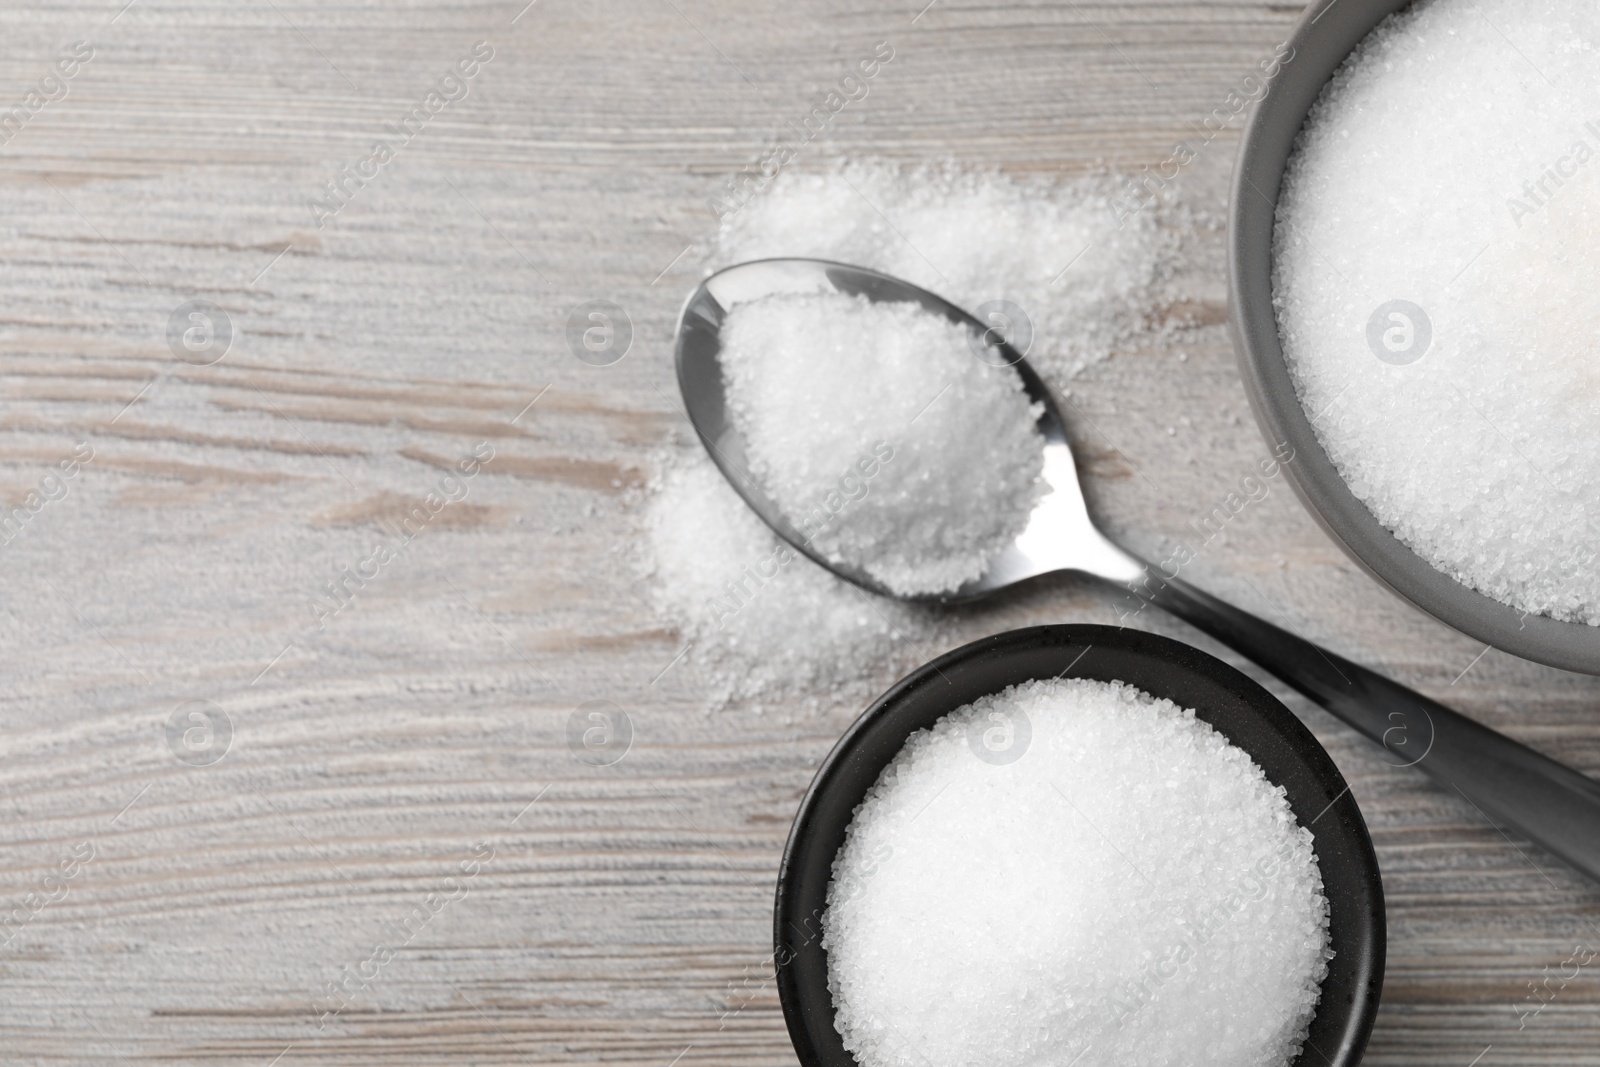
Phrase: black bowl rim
(1322, 40)
(1361, 903)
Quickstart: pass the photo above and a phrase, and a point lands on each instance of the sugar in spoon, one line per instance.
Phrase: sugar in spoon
(1548, 802)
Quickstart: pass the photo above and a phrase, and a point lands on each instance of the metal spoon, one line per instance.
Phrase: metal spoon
(1548, 802)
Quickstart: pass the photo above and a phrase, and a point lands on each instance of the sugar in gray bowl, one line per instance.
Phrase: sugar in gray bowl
(1324, 38)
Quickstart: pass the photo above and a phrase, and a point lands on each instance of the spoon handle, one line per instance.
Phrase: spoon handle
(1548, 802)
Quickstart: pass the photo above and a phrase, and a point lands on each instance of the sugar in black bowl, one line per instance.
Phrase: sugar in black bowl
(1084, 844)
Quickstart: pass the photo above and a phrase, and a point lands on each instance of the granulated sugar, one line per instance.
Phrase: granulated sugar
(882, 435)
(1129, 890)
(1051, 247)
(1454, 163)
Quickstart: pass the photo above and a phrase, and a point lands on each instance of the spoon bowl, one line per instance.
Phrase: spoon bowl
(1059, 534)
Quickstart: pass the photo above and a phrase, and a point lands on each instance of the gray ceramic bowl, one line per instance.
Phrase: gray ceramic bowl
(1327, 33)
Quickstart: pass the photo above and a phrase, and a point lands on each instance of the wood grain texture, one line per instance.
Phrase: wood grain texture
(623, 917)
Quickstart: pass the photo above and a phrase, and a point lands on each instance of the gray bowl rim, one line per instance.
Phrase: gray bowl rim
(1324, 37)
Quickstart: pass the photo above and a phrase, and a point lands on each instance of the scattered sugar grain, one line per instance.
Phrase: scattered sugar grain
(882, 435)
(1131, 891)
(1428, 172)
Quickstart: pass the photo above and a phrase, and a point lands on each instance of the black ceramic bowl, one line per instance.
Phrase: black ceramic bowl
(1240, 709)
(1326, 35)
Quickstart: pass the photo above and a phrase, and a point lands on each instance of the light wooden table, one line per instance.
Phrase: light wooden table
(623, 906)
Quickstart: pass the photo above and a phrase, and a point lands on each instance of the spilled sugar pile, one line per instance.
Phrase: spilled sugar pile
(1074, 872)
(763, 623)
(1051, 248)
(763, 619)
(1453, 164)
(882, 436)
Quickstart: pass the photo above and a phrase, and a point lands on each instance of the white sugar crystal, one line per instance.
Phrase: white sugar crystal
(1454, 162)
(882, 435)
(1130, 890)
